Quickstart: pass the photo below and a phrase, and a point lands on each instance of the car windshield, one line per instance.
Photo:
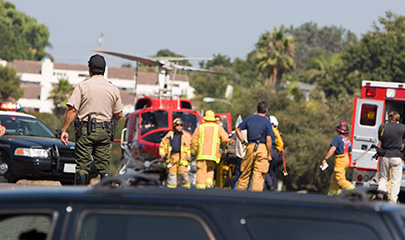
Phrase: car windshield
(190, 120)
(25, 126)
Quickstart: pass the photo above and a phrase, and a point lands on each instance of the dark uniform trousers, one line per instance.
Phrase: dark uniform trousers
(98, 145)
(255, 164)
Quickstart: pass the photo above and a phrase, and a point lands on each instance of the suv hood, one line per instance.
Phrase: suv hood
(31, 141)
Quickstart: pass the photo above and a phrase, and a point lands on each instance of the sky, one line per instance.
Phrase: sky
(199, 29)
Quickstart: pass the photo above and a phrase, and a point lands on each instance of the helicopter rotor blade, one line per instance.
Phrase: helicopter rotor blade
(143, 60)
(187, 68)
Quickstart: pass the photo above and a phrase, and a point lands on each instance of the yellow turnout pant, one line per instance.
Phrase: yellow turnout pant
(339, 175)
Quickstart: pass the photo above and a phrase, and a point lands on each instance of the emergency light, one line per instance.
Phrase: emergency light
(370, 92)
(9, 106)
(390, 93)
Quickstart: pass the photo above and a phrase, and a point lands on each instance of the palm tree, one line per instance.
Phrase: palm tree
(60, 94)
(274, 55)
(326, 73)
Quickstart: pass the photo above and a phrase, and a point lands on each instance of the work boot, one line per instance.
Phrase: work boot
(81, 179)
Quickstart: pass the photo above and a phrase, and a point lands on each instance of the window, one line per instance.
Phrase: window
(368, 114)
(143, 225)
(190, 120)
(12, 225)
(153, 120)
(302, 229)
(26, 126)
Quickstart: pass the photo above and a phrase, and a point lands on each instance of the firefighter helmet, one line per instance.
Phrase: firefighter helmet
(177, 122)
(209, 116)
(342, 127)
(274, 121)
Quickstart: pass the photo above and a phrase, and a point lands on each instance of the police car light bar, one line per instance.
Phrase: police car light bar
(9, 106)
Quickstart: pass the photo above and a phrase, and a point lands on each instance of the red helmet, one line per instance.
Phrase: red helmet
(342, 127)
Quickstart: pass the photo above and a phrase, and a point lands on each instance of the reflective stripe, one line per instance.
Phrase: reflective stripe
(209, 180)
(201, 186)
(185, 163)
(171, 186)
(216, 139)
(351, 187)
(332, 192)
(185, 150)
(186, 185)
(207, 157)
(201, 140)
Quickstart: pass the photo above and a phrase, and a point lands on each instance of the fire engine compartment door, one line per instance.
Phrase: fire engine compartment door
(367, 119)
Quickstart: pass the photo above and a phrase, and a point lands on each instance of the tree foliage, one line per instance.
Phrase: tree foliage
(274, 55)
(380, 54)
(21, 37)
(312, 41)
(59, 95)
(10, 84)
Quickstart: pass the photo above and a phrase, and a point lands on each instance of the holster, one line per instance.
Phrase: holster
(256, 145)
(111, 128)
(78, 128)
(88, 124)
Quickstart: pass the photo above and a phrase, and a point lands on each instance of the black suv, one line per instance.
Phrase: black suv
(31, 150)
(114, 210)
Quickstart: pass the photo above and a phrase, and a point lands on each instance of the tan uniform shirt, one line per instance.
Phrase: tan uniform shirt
(98, 97)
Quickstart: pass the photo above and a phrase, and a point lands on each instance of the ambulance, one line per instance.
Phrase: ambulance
(370, 110)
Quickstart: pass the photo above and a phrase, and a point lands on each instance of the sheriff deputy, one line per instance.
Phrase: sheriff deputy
(96, 102)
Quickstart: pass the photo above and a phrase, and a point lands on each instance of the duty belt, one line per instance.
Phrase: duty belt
(98, 124)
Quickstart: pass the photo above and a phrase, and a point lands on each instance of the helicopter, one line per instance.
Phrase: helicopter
(166, 66)
(153, 117)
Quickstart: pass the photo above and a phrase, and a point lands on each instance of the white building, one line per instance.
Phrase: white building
(39, 78)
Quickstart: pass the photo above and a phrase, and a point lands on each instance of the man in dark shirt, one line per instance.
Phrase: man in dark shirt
(392, 137)
(258, 148)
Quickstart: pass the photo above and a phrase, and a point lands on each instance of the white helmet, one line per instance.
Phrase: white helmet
(274, 121)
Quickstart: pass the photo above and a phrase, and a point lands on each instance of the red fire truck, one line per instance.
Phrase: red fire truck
(370, 110)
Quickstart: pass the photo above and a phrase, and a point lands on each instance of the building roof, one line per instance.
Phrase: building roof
(70, 67)
(121, 73)
(26, 66)
(125, 73)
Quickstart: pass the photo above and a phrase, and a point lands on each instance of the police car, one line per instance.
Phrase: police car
(31, 150)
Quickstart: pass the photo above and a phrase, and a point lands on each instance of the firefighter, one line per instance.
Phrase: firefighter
(342, 148)
(205, 143)
(176, 147)
(270, 178)
(258, 148)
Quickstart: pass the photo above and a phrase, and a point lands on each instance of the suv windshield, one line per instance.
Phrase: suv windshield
(25, 126)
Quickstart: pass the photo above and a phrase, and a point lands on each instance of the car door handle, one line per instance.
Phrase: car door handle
(363, 138)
